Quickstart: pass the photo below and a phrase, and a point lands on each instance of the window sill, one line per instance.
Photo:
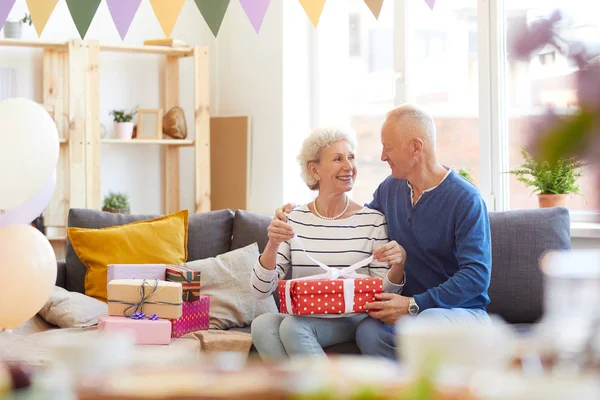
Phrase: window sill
(585, 230)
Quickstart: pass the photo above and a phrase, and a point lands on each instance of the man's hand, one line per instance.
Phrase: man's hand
(389, 308)
(281, 212)
(391, 253)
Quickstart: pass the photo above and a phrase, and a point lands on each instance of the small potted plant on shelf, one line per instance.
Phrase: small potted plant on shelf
(123, 123)
(117, 203)
(14, 29)
(552, 181)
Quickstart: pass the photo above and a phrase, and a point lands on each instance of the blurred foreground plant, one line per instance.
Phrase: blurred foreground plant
(575, 134)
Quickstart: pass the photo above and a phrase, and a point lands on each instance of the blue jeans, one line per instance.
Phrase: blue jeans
(279, 336)
(374, 338)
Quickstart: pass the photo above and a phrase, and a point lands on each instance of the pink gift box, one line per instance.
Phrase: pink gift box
(136, 271)
(144, 331)
(195, 316)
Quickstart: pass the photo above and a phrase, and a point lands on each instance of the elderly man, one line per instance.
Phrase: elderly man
(441, 222)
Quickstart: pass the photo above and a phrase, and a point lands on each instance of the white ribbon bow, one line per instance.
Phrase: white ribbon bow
(334, 273)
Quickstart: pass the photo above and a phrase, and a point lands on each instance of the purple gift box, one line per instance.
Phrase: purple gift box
(136, 271)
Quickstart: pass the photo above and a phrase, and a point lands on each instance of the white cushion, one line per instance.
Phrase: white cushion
(226, 279)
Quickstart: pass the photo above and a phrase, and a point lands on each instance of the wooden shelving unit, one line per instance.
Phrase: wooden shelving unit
(71, 92)
(164, 142)
(171, 147)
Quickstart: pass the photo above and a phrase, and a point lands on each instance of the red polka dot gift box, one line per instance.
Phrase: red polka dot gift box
(327, 296)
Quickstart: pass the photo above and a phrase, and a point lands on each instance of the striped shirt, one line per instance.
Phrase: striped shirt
(336, 243)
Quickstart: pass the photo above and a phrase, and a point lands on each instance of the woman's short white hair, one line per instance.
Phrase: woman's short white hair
(314, 144)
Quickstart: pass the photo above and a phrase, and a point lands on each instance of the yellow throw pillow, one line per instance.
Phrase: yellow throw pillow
(161, 240)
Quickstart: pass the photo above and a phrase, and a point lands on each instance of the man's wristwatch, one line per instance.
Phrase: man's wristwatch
(413, 307)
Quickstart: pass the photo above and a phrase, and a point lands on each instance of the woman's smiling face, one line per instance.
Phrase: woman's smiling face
(336, 169)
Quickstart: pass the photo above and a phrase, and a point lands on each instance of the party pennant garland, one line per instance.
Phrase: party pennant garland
(40, 11)
(313, 9)
(213, 12)
(83, 12)
(255, 11)
(167, 12)
(375, 7)
(122, 13)
(5, 8)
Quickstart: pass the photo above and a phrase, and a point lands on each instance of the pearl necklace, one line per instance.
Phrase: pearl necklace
(331, 218)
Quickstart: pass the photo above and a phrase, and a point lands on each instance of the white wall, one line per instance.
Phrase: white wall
(250, 83)
(126, 81)
(264, 76)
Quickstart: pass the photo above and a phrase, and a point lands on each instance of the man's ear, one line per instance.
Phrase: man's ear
(417, 146)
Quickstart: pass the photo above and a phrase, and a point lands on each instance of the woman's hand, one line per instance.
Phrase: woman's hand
(279, 232)
(281, 212)
(391, 253)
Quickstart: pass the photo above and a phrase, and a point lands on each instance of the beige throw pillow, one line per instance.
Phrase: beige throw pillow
(72, 309)
(226, 279)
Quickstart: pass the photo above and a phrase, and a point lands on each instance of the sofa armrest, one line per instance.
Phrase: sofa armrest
(61, 273)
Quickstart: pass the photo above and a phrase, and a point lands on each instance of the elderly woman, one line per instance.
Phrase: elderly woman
(333, 230)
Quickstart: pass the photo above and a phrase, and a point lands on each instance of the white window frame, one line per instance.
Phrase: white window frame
(493, 129)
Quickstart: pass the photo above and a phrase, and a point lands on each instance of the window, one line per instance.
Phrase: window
(452, 61)
(355, 88)
(441, 69)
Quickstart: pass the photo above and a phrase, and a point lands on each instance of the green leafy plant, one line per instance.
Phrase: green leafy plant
(26, 19)
(117, 200)
(558, 177)
(123, 115)
(466, 175)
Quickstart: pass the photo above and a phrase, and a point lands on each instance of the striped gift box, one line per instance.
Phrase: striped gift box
(189, 279)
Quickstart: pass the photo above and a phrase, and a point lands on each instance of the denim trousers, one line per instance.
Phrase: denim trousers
(279, 336)
(374, 338)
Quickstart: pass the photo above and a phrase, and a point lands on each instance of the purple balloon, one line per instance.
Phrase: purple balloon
(30, 209)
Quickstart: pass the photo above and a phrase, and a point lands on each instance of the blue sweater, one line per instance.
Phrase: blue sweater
(446, 236)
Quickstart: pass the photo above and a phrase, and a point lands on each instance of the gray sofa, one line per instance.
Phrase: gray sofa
(519, 238)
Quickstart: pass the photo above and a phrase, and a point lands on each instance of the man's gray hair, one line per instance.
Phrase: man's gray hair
(418, 116)
(314, 144)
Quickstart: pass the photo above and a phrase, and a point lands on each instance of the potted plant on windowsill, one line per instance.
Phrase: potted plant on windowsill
(123, 123)
(14, 29)
(465, 174)
(553, 182)
(117, 203)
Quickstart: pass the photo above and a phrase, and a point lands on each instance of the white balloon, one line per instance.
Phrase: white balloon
(29, 148)
(28, 273)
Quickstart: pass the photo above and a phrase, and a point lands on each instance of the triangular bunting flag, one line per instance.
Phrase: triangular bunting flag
(122, 12)
(375, 7)
(313, 9)
(255, 10)
(213, 12)
(40, 11)
(430, 3)
(5, 7)
(167, 12)
(82, 12)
